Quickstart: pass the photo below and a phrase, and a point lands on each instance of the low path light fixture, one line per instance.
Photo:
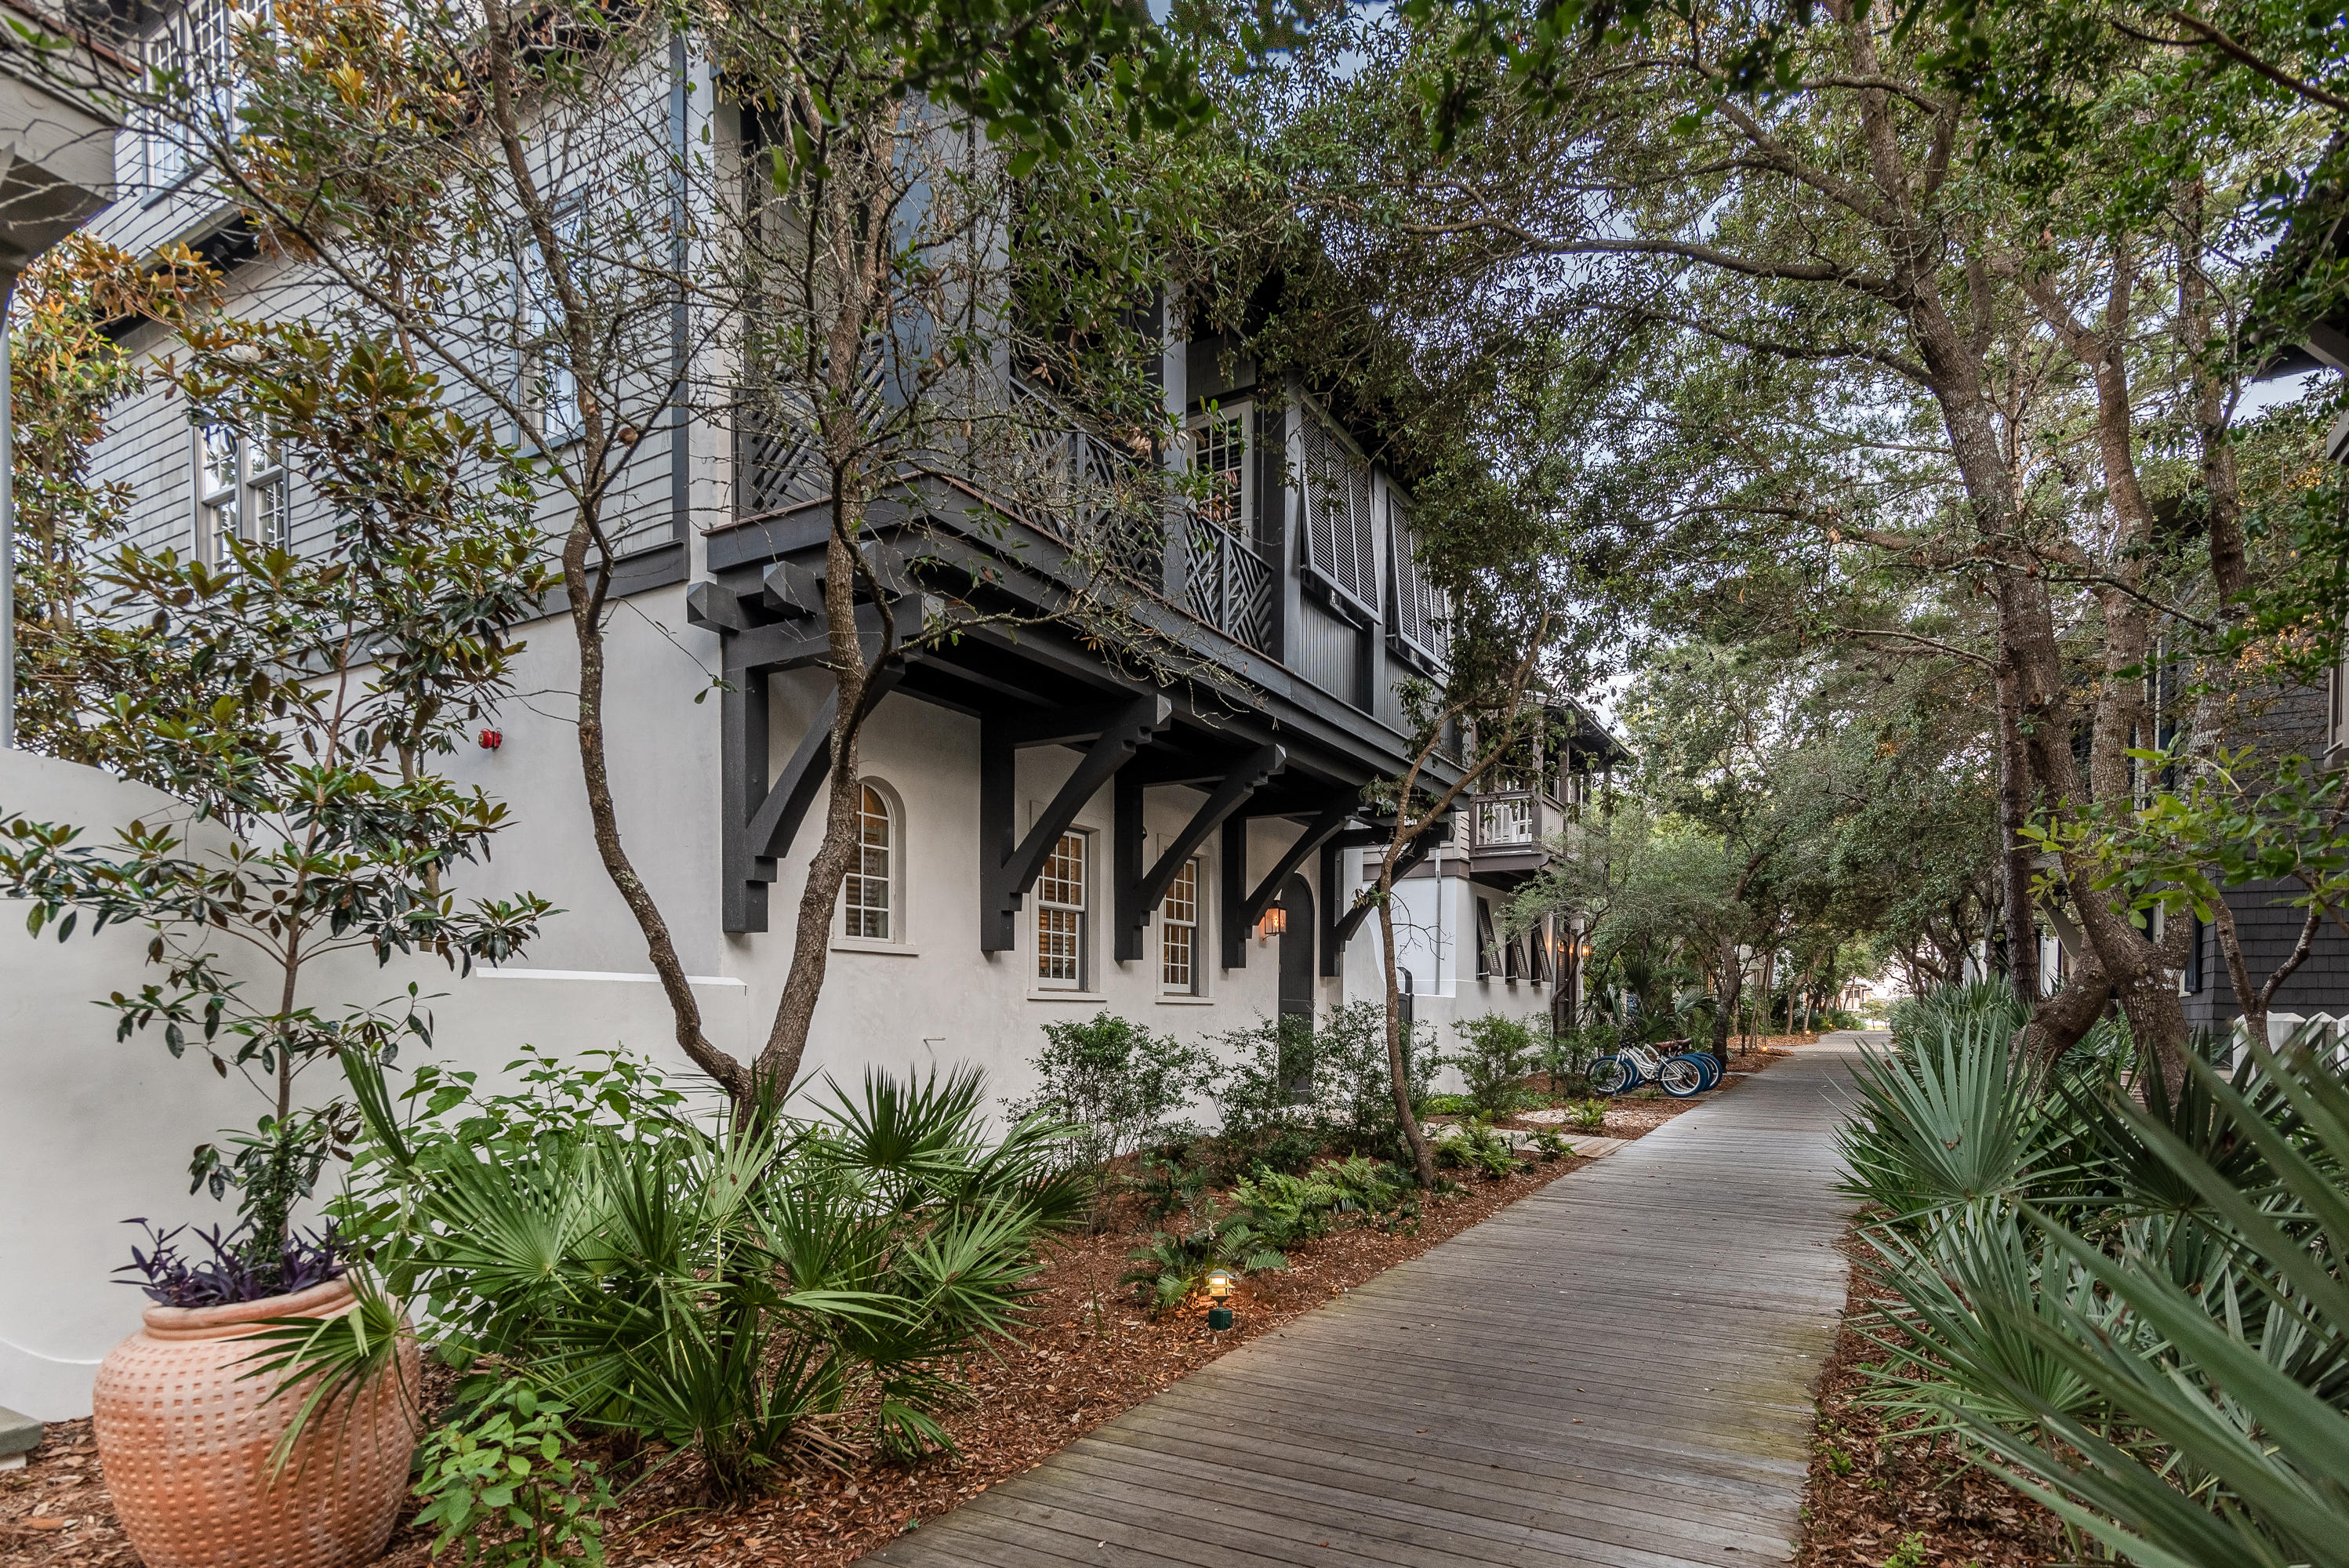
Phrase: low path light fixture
(1219, 1300)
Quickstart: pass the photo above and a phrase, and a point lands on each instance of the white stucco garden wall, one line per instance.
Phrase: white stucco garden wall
(94, 1130)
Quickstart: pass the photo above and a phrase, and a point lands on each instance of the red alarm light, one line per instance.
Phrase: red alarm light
(491, 740)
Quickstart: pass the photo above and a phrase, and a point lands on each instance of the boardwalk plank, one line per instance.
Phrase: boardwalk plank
(1614, 1372)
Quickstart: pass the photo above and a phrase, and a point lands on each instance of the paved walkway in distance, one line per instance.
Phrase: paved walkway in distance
(1615, 1371)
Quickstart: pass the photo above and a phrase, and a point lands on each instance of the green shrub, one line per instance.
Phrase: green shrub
(717, 1287)
(1119, 1084)
(1566, 1057)
(500, 1487)
(2143, 1325)
(1498, 1053)
(1167, 1187)
(1947, 1120)
(1283, 1209)
(1473, 1145)
(1290, 1084)
(1550, 1145)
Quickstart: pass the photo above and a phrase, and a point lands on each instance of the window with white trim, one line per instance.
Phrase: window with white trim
(1219, 450)
(868, 894)
(550, 387)
(1178, 933)
(240, 493)
(1062, 925)
(192, 62)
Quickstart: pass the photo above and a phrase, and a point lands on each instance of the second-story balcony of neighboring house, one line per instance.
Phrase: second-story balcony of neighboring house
(1514, 825)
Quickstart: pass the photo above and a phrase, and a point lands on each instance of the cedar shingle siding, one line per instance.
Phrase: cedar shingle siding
(2291, 719)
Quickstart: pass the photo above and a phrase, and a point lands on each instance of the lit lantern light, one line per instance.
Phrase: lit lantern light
(1273, 924)
(1220, 1299)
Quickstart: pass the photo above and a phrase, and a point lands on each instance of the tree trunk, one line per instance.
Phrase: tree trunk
(1732, 986)
(1423, 1159)
(2014, 811)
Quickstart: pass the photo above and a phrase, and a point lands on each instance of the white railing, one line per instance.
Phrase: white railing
(2331, 1043)
(1509, 820)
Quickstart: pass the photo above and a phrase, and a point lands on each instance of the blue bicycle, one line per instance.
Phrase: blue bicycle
(1682, 1074)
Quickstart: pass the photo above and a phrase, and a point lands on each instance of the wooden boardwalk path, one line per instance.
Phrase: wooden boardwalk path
(1615, 1371)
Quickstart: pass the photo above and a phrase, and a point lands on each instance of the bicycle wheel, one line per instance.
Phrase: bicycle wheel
(1680, 1078)
(1707, 1064)
(1611, 1075)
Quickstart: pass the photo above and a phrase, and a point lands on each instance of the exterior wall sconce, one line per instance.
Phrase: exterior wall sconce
(1219, 1299)
(1271, 923)
(492, 739)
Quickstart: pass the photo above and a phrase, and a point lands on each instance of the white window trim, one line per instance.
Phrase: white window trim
(1087, 984)
(245, 487)
(552, 419)
(1243, 414)
(900, 937)
(1201, 943)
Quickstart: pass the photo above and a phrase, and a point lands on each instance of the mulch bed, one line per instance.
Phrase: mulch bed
(1875, 1485)
(1087, 1354)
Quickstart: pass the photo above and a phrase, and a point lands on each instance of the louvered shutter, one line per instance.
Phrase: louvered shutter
(1416, 611)
(1363, 579)
(1338, 544)
(1322, 475)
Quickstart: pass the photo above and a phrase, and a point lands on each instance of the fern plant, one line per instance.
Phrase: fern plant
(1173, 1266)
(1474, 1146)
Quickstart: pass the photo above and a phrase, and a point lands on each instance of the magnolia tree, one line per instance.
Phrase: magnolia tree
(297, 704)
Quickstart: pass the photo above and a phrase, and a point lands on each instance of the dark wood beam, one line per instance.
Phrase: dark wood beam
(762, 821)
(1139, 892)
(1243, 909)
(1418, 850)
(1007, 869)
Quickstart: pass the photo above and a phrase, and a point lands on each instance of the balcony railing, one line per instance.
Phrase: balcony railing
(1101, 500)
(1226, 583)
(1510, 820)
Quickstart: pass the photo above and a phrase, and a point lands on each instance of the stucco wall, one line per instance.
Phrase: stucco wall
(93, 1131)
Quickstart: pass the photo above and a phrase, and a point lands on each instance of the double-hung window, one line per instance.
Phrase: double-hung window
(1061, 914)
(1178, 933)
(1219, 452)
(240, 493)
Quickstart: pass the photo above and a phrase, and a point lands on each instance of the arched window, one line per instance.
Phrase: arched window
(868, 896)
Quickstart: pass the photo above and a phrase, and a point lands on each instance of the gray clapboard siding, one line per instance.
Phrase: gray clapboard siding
(1615, 1371)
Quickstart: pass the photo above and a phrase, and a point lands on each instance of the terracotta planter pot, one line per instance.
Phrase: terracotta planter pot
(185, 1437)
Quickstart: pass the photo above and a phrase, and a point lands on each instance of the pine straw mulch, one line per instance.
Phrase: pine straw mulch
(1874, 1485)
(1087, 1354)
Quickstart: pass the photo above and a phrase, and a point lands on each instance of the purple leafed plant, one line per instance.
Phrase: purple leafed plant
(234, 1272)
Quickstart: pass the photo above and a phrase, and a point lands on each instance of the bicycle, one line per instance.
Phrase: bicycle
(1629, 1066)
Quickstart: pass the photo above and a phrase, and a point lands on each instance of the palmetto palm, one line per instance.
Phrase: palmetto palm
(727, 1288)
(2157, 1347)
